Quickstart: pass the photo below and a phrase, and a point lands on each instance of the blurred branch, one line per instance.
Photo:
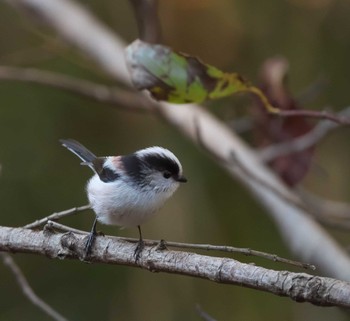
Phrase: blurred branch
(10, 263)
(204, 315)
(57, 216)
(331, 213)
(319, 114)
(334, 209)
(27, 290)
(205, 247)
(303, 142)
(300, 287)
(146, 13)
(130, 99)
(305, 237)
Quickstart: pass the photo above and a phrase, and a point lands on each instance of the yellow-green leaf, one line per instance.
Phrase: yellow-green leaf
(180, 78)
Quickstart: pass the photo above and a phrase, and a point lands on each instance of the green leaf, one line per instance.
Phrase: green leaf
(180, 78)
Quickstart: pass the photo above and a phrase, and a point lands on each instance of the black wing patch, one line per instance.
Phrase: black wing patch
(108, 175)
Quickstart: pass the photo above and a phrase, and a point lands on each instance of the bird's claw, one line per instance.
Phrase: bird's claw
(88, 245)
(138, 250)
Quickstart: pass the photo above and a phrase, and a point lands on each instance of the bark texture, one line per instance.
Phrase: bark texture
(110, 250)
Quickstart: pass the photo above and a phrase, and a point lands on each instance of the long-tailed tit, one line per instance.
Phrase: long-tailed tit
(128, 190)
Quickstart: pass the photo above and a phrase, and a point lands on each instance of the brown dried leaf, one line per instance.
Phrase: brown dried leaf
(271, 130)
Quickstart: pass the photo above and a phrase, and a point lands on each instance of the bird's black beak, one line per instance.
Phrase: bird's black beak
(181, 179)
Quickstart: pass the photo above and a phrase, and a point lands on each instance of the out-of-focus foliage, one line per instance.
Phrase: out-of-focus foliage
(38, 177)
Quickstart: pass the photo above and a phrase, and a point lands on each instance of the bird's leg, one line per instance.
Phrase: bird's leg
(90, 241)
(140, 245)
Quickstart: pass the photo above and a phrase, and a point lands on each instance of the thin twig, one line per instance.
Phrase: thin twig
(27, 290)
(265, 101)
(58, 215)
(298, 144)
(323, 114)
(206, 247)
(332, 223)
(245, 251)
(303, 142)
(10, 263)
(64, 228)
(101, 93)
(334, 209)
(330, 213)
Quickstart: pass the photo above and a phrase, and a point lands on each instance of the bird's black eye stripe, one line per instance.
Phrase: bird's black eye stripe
(163, 164)
(138, 167)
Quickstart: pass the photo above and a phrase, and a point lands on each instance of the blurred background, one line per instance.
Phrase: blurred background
(40, 177)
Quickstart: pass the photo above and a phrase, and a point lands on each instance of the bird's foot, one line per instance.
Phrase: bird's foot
(88, 245)
(139, 248)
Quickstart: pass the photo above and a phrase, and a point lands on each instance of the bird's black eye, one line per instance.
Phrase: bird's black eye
(167, 175)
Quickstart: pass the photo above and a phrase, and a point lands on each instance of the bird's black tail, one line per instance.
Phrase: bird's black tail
(81, 151)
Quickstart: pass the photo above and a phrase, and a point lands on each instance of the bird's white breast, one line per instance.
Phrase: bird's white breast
(121, 203)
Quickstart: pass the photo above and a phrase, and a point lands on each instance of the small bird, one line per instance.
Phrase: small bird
(128, 190)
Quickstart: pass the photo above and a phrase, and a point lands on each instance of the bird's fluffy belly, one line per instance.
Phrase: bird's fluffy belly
(117, 203)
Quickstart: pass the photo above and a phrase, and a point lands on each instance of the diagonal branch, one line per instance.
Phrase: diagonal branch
(27, 290)
(57, 216)
(330, 213)
(87, 89)
(323, 114)
(300, 287)
(303, 142)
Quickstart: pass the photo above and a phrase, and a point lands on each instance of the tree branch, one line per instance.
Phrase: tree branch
(205, 247)
(300, 287)
(27, 290)
(320, 114)
(303, 142)
(131, 100)
(306, 238)
(331, 213)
